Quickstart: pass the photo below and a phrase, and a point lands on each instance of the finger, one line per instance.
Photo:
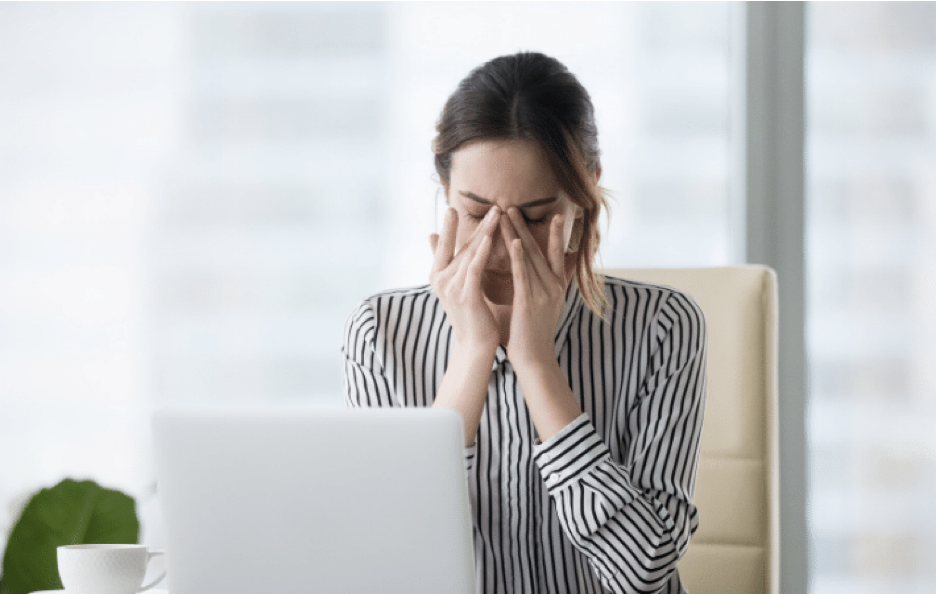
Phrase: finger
(531, 249)
(556, 247)
(486, 228)
(478, 262)
(446, 241)
(433, 242)
(518, 267)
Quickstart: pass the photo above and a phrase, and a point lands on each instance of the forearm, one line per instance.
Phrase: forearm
(464, 386)
(549, 398)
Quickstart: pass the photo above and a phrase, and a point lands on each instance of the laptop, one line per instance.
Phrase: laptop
(313, 500)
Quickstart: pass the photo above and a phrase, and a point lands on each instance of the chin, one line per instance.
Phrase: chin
(498, 291)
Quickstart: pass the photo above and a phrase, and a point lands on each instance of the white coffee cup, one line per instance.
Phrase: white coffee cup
(105, 568)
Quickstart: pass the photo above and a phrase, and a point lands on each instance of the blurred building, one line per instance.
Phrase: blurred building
(871, 259)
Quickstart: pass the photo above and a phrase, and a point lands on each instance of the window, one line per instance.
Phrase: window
(195, 196)
(871, 300)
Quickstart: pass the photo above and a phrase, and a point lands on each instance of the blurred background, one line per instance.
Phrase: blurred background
(193, 197)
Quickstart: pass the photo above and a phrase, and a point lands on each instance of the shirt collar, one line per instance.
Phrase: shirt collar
(499, 357)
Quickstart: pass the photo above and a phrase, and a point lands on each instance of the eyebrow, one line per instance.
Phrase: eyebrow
(487, 202)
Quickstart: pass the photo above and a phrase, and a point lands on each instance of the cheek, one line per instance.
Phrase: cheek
(463, 234)
(540, 233)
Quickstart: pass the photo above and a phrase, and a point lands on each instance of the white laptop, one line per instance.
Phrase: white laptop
(314, 501)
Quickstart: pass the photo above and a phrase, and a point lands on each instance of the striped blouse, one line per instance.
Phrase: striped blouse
(605, 505)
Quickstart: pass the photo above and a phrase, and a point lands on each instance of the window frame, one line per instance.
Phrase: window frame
(769, 135)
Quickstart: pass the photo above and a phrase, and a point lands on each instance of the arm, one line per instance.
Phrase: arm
(539, 289)
(456, 279)
(465, 386)
(634, 520)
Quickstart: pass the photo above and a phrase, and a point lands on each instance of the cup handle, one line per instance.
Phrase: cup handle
(149, 557)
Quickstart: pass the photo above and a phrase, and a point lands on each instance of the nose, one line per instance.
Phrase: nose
(499, 258)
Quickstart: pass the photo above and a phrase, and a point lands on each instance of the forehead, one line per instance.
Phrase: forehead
(503, 171)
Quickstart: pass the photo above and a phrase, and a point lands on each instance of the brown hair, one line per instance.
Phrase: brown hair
(530, 96)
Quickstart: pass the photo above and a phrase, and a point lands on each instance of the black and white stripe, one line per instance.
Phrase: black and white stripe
(604, 505)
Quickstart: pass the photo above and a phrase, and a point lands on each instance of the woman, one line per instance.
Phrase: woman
(582, 395)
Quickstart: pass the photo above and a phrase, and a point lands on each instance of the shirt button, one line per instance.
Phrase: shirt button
(553, 479)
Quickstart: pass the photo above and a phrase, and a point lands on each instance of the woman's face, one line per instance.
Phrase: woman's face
(512, 173)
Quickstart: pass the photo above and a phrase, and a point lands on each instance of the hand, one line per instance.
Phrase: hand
(539, 291)
(456, 279)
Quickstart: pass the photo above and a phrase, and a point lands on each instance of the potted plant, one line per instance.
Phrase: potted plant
(71, 512)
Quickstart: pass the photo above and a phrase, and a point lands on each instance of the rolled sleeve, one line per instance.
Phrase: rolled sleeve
(577, 463)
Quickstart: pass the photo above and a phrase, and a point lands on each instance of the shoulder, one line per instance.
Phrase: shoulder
(621, 292)
(630, 298)
(392, 304)
(395, 321)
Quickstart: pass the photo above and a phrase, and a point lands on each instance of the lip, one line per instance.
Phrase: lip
(499, 272)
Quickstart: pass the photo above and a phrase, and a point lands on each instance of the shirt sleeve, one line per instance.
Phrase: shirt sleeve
(634, 519)
(365, 380)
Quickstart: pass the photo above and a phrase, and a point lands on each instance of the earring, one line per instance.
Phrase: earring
(576, 237)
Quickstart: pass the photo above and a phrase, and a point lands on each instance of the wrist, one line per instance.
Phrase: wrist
(536, 365)
(525, 361)
(474, 352)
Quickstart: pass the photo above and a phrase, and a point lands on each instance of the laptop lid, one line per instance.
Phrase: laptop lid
(306, 500)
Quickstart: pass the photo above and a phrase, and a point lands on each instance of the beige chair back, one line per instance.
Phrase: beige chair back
(736, 548)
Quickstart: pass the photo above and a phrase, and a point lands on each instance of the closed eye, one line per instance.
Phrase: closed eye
(527, 220)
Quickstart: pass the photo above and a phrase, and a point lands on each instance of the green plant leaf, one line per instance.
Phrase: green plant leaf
(71, 512)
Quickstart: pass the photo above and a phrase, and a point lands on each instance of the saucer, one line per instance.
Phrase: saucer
(66, 592)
